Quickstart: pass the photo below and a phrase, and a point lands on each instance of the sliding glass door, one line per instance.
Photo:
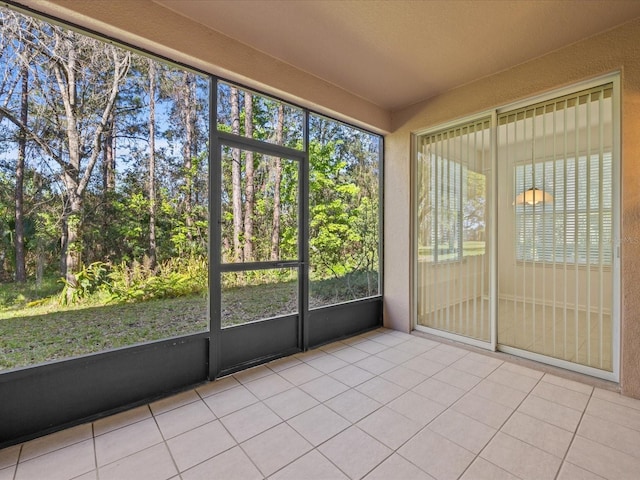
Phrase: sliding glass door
(453, 231)
(521, 256)
(556, 237)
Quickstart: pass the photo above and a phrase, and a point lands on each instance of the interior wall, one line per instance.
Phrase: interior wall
(615, 50)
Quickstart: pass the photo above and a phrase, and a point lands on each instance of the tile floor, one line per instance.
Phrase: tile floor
(383, 405)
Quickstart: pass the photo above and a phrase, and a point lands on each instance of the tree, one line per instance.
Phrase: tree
(249, 180)
(21, 273)
(77, 81)
(277, 179)
(236, 180)
(152, 164)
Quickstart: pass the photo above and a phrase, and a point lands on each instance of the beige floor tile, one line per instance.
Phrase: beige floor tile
(481, 469)
(268, 386)
(199, 444)
(60, 464)
(55, 441)
(375, 365)
(354, 452)
(551, 412)
(232, 464)
(381, 390)
(283, 363)
(615, 397)
(563, 396)
(154, 463)
(424, 366)
(290, 403)
(313, 354)
(436, 455)
(614, 412)
(405, 377)
(92, 475)
(521, 459)
(391, 340)
(7, 473)
(416, 407)
(312, 466)
(522, 370)
(275, 448)
(251, 374)
(217, 386)
(9, 456)
(569, 384)
(395, 355)
(229, 401)
(352, 405)
(327, 363)
(418, 346)
(476, 365)
(389, 427)
(507, 396)
(568, 471)
(250, 421)
(438, 391)
(174, 401)
(300, 374)
(351, 375)
(612, 435)
(371, 347)
(126, 441)
(483, 410)
(463, 430)
(547, 437)
(457, 378)
(397, 467)
(120, 420)
(183, 419)
(333, 347)
(350, 354)
(444, 354)
(319, 424)
(323, 388)
(602, 460)
(504, 376)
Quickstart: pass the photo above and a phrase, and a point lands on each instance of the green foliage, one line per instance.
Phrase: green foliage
(87, 281)
(175, 277)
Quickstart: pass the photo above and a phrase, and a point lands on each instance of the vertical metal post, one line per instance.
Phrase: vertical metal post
(215, 186)
(303, 241)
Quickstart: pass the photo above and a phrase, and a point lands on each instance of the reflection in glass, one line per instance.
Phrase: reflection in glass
(258, 294)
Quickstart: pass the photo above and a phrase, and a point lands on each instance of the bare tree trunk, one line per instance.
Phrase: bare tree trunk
(109, 157)
(236, 183)
(152, 165)
(249, 186)
(21, 273)
(277, 174)
(188, 150)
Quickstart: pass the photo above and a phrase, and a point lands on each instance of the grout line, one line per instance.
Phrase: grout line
(95, 450)
(575, 434)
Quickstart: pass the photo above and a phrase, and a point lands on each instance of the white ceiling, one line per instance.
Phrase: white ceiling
(397, 52)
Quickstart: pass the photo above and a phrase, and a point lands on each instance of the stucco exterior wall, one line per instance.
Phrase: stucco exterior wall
(615, 50)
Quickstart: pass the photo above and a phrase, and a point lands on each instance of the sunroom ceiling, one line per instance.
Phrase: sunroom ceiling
(396, 53)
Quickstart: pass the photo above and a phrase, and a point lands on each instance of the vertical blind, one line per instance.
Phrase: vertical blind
(453, 177)
(556, 297)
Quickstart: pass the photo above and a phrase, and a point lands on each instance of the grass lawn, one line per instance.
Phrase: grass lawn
(35, 330)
